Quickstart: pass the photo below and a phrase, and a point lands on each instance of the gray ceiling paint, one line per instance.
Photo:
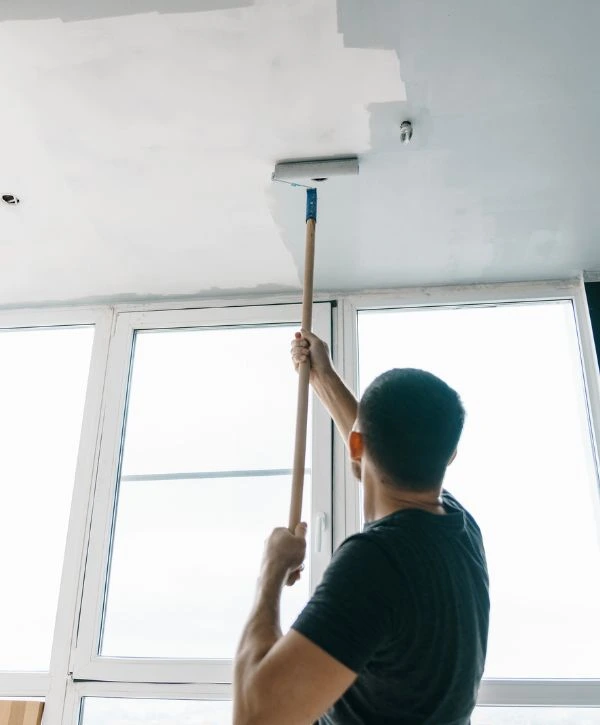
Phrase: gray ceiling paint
(142, 144)
(500, 182)
(73, 10)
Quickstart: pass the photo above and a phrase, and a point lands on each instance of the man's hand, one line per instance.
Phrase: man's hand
(282, 679)
(309, 347)
(327, 384)
(285, 552)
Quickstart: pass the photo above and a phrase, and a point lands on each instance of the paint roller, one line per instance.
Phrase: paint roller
(307, 174)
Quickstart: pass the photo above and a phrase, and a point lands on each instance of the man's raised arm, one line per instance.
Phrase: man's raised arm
(327, 384)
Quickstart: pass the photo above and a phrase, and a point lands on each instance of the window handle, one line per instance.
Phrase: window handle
(321, 527)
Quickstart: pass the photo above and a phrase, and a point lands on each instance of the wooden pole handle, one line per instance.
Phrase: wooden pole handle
(303, 381)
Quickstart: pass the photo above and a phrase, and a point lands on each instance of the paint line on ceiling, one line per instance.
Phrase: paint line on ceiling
(359, 77)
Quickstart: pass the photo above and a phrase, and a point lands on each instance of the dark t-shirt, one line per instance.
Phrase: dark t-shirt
(405, 605)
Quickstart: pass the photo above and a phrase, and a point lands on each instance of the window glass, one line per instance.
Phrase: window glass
(186, 561)
(120, 711)
(43, 380)
(208, 449)
(536, 716)
(211, 400)
(525, 468)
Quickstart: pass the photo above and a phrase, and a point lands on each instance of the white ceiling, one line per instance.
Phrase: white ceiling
(141, 136)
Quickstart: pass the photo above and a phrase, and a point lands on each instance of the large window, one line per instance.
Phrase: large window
(525, 469)
(195, 472)
(43, 382)
(210, 428)
(147, 453)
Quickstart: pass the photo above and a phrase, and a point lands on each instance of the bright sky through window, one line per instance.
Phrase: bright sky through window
(188, 545)
(43, 382)
(525, 469)
(120, 711)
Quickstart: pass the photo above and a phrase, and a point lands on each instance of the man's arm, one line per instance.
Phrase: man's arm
(282, 679)
(327, 384)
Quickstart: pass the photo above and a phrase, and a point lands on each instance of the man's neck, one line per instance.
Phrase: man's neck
(389, 500)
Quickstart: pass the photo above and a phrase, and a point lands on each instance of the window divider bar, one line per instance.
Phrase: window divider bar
(539, 693)
(191, 475)
(16, 685)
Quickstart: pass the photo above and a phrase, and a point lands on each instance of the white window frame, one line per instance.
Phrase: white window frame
(496, 691)
(78, 691)
(63, 693)
(529, 693)
(49, 685)
(86, 664)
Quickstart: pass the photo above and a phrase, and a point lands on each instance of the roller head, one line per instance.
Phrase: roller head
(315, 171)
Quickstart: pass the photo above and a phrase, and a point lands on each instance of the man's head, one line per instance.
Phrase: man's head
(409, 424)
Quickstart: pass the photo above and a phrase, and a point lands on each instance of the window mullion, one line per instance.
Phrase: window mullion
(81, 507)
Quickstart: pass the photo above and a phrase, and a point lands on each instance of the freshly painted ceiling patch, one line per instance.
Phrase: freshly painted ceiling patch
(331, 120)
(109, 113)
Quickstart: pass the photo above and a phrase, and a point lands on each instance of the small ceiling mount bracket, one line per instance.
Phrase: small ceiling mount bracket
(10, 199)
(406, 131)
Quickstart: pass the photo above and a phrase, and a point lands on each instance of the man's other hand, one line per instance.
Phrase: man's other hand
(285, 552)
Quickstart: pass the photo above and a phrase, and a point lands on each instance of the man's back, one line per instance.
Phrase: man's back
(405, 604)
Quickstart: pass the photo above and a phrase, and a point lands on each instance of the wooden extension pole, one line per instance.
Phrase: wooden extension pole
(304, 370)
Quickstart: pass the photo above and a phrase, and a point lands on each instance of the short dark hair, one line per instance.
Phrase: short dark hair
(411, 422)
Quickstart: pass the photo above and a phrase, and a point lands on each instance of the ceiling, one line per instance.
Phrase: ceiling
(140, 137)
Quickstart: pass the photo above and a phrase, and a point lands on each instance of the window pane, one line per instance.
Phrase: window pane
(535, 716)
(211, 400)
(525, 469)
(116, 711)
(187, 549)
(187, 557)
(43, 379)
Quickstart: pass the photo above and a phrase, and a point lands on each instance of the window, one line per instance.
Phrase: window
(195, 472)
(122, 711)
(146, 454)
(43, 381)
(525, 468)
(210, 426)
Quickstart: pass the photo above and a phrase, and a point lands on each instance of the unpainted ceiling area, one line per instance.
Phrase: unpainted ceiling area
(140, 137)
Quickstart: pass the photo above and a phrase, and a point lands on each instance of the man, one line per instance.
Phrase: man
(396, 633)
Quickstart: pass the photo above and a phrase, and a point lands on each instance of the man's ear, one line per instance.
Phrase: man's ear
(356, 446)
(452, 457)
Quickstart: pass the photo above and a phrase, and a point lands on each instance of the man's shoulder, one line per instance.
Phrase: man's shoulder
(371, 552)
(362, 544)
(453, 503)
(364, 555)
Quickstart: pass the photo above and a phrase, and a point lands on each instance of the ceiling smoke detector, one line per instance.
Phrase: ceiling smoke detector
(10, 199)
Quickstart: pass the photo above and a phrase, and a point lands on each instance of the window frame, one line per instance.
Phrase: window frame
(86, 664)
(60, 688)
(78, 691)
(46, 685)
(505, 691)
